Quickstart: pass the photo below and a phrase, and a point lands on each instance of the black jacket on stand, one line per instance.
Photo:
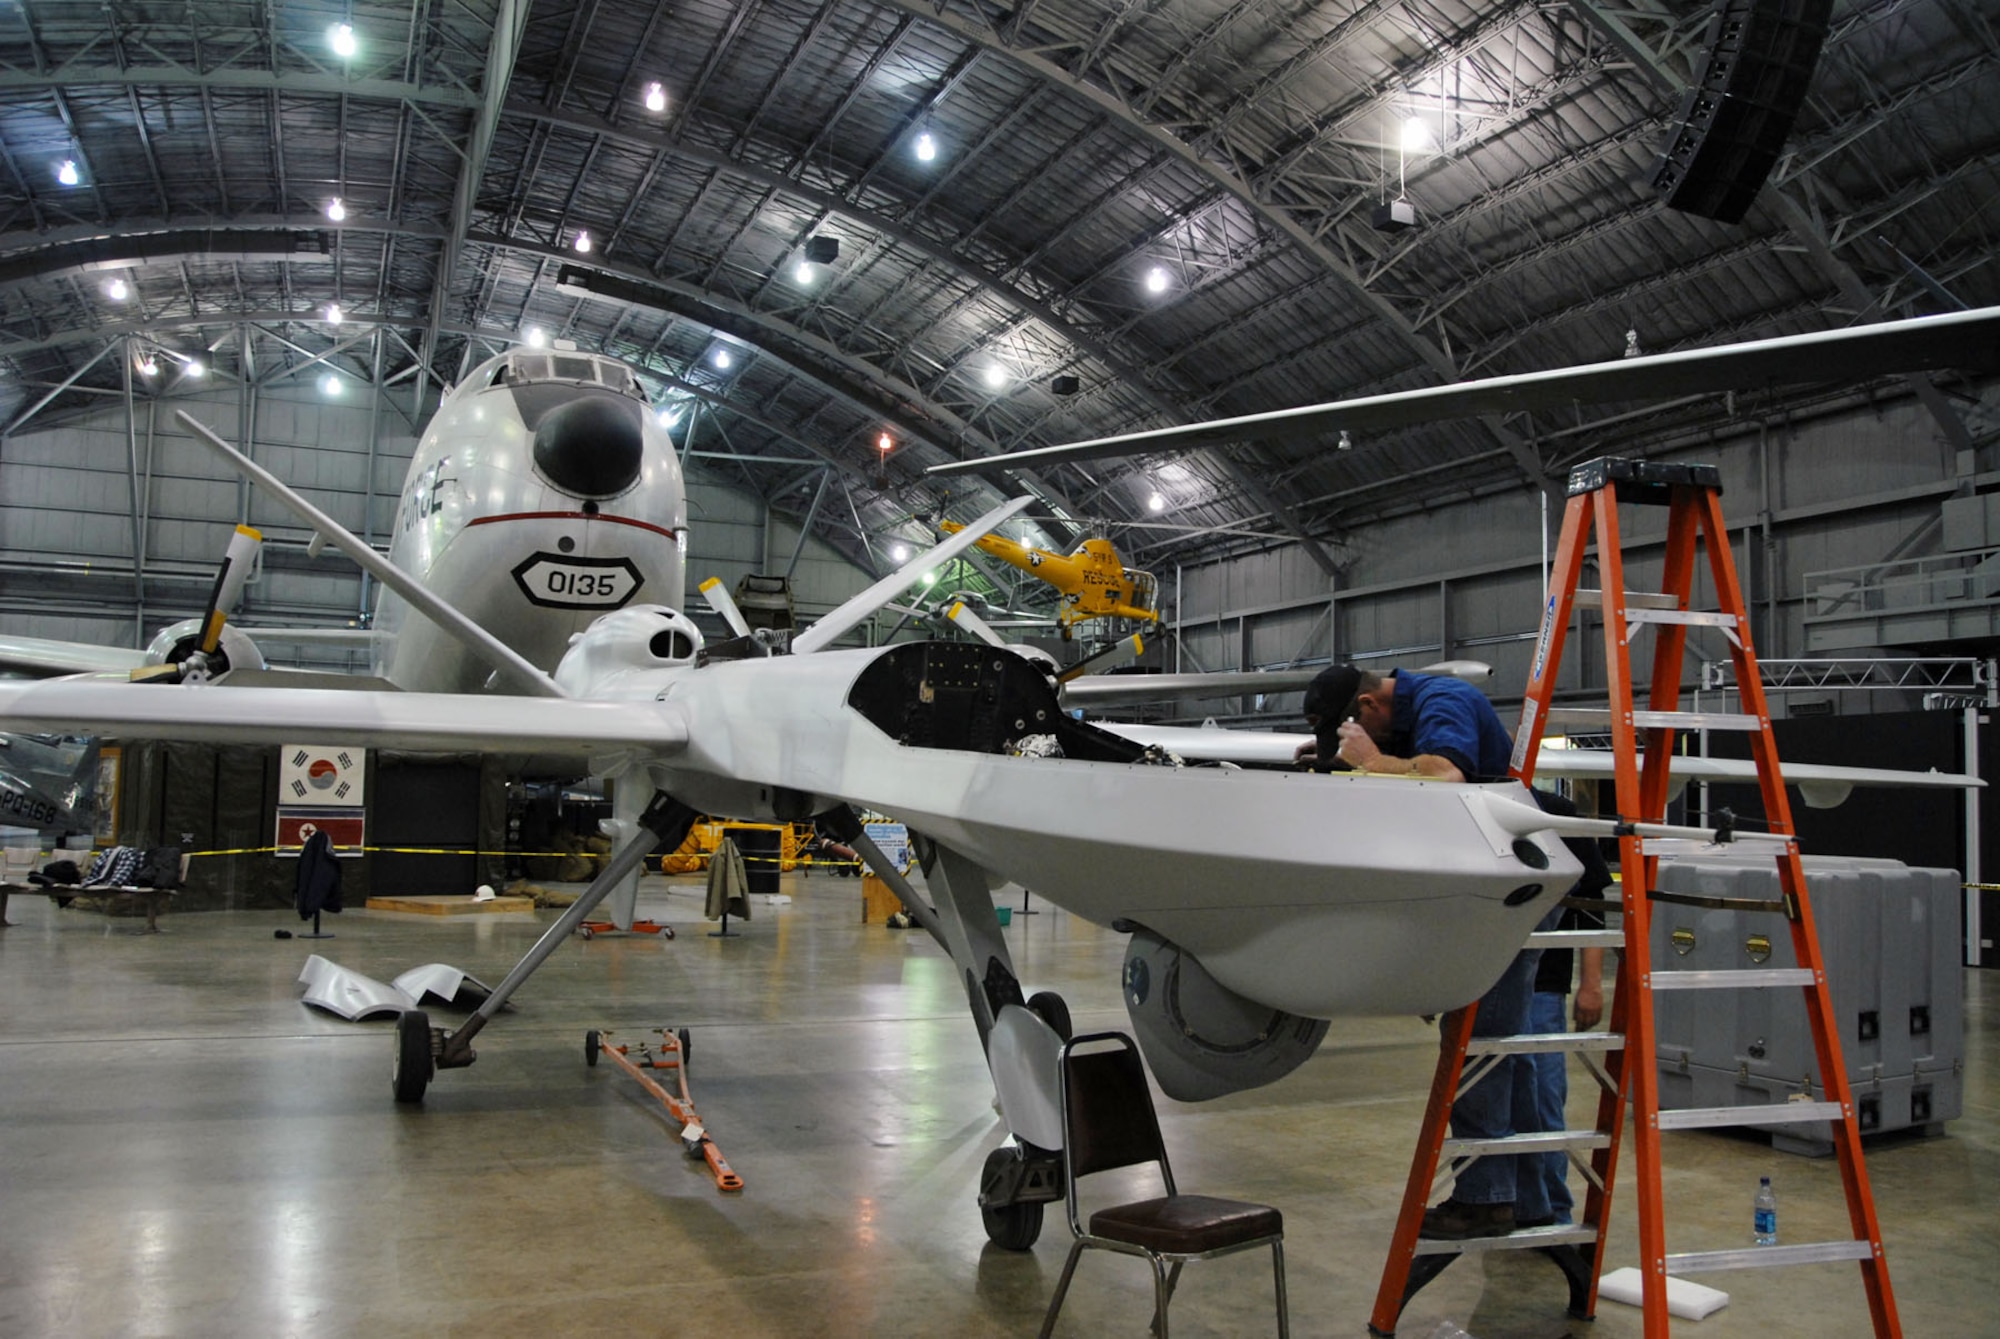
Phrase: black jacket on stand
(319, 877)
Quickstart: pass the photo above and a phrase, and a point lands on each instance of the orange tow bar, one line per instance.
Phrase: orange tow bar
(672, 1053)
(591, 929)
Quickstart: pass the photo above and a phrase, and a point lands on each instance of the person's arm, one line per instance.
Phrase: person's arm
(1360, 752)
(1588, 1004)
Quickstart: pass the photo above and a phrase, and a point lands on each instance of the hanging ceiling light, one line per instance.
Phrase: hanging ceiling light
(1416, 135)
(341, 37)
(926, 145)
(1156, 279)
(656, 97)
(582, 242)
(148, 365)
(995, 376)
(803, 272)
(336, 210)
(118, 290)
(67, 173)
(537, 337)
(334, 316)
(885, 443)
(899, 553)
(1156, 503)
(330, 384)
(722, 360)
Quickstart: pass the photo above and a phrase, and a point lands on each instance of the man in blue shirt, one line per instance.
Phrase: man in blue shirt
(1444, 729)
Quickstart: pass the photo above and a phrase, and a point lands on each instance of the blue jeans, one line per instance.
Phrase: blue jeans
(1545, 1015)
(1503, 1102)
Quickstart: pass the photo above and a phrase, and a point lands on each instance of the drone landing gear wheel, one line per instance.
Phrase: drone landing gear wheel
(1012, 1227)
(412, 1071)
(1051, 1009)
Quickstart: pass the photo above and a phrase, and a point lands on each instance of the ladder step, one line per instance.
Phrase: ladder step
(1734, 978)
(1539, 1043)
(1520, 1239)
(1542, 1141)
(1768, 1113)
(1576, 939)
(1597, 720)
(1692, 618)
(1634, 599)
(1768, 1257)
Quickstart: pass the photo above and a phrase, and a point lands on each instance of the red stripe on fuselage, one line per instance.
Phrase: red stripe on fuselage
(571, 516)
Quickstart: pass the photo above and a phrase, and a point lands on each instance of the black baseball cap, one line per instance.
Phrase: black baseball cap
(1331, 692)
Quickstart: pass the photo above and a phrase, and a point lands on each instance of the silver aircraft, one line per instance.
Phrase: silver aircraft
(1259, 903)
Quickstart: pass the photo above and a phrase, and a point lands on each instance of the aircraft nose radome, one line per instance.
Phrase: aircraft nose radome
(591, 447)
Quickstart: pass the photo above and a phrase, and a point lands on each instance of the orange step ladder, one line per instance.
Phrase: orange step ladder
(1643, 741)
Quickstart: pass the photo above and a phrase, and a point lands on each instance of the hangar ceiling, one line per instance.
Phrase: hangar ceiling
(1168, 201)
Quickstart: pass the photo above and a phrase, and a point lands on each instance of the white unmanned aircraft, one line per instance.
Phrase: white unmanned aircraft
(1260, 903)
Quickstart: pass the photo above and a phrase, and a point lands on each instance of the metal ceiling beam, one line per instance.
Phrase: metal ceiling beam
(505, 47)
(77, 74)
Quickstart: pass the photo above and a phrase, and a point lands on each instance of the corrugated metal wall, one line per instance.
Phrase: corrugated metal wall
(1465, 580)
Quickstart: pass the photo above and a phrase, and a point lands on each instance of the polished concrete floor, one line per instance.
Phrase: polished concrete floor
(185, 1149)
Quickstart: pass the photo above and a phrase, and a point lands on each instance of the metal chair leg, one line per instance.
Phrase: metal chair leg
(1162, 1293)
(1062, 1287)
(1278, 1269)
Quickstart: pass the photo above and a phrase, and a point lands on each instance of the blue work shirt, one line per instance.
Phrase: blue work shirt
(1437, 714)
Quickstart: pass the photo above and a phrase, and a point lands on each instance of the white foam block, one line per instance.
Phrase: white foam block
(1689, 1301)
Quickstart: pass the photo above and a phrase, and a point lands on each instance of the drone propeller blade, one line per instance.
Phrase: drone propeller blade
(974, 624)
(822, 634)
(1121, 652)
(723, 603)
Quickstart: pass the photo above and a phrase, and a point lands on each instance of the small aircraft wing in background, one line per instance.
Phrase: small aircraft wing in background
(1822, 785)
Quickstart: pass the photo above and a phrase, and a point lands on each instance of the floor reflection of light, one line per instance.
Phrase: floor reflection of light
(150, 1256)
(295, 1249)
(864, 1221)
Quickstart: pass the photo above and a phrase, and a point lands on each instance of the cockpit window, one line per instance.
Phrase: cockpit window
(519, 368)
(619, 378)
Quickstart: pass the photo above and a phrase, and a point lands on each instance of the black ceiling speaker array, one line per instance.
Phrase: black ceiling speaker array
(1733, 122)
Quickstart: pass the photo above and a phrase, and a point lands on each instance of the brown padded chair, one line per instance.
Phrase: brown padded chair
(1108, 1123)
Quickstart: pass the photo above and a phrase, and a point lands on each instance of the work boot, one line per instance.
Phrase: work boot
(1455, 1220)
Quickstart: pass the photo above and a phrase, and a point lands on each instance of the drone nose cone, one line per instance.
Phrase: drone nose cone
(592, 446)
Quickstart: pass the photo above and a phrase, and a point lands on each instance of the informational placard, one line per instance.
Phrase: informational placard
(894, 839)
(321, 788)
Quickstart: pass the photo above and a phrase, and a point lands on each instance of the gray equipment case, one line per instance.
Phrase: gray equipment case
(1889, 936)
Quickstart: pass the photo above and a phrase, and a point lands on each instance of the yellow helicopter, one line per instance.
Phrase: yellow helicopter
(1094, 581)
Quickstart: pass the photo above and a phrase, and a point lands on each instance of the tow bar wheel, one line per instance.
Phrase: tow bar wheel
(592, 1044)
(412, 1071)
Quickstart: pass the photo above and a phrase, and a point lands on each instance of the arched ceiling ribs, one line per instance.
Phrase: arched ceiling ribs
(932, 252)
(1254, 197)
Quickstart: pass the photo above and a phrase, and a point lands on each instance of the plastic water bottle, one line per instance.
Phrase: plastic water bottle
(1765, 1213)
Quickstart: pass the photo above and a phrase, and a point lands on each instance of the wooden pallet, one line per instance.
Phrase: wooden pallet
(454, 906)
